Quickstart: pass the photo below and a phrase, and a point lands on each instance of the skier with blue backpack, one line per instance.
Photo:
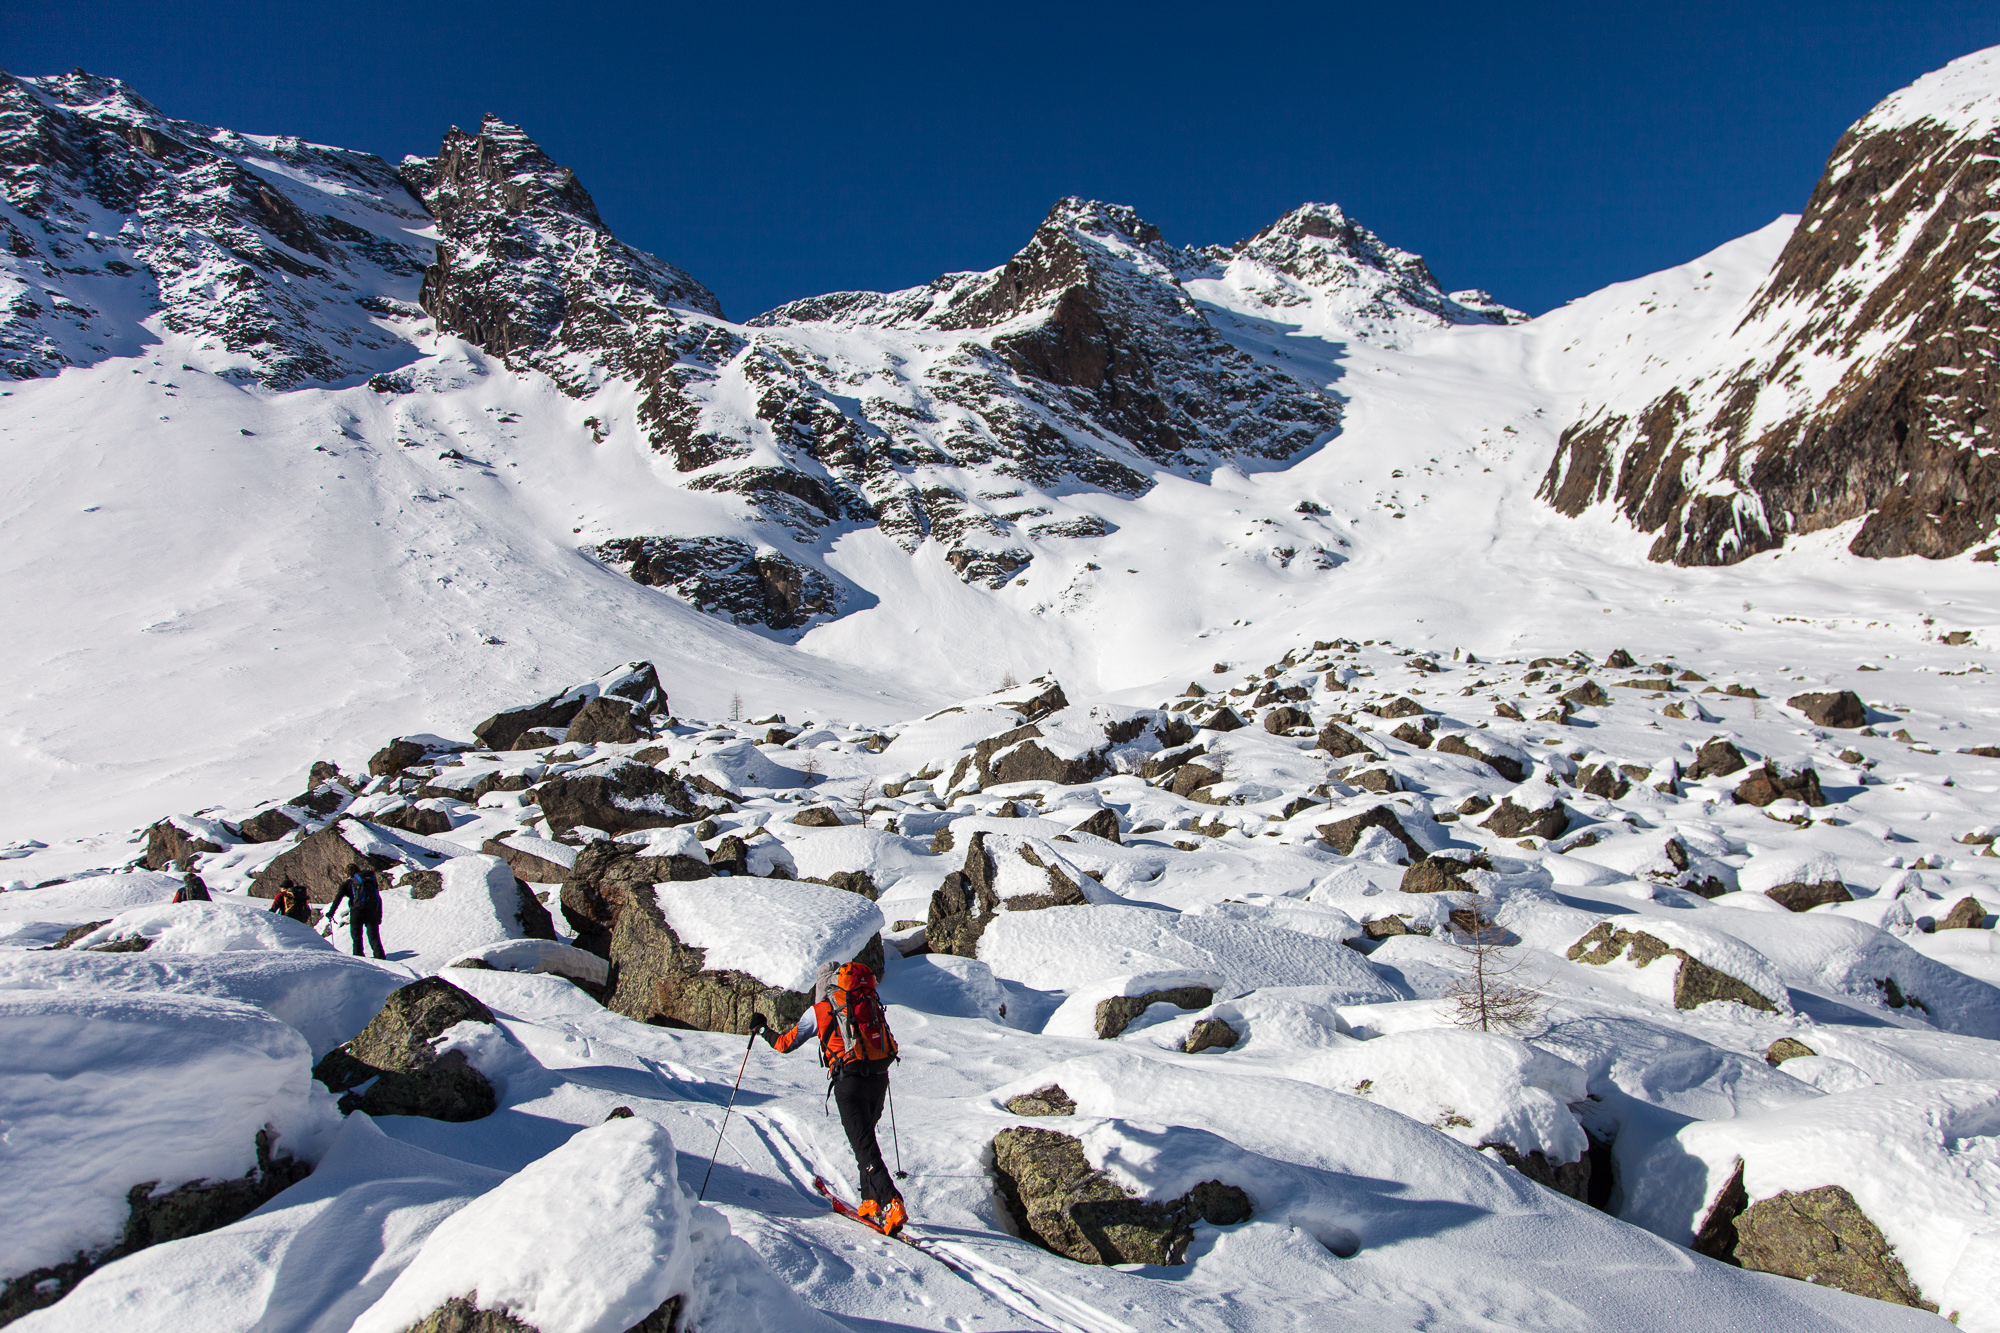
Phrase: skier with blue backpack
(363, 896)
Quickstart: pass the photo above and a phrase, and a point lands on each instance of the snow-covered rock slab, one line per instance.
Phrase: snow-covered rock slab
(778, 931)
(101, 1092)
(219, 926)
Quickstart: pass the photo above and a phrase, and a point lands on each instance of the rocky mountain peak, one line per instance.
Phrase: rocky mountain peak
(1857, 383)
(525, 264)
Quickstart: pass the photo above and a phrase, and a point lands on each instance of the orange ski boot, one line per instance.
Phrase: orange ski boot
(893, 1216)
(868, 1211)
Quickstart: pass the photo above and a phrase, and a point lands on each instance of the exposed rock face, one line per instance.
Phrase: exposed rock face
(273, 824)
(1210, 1034)
(152, 1219)
(1443, 873)
(621, 799)
(1571, 1178)
(1803, 897)
(1786, 1048)
(1769, 784)
(397, 1050)
(1857, 383)
(169, 845)
(460, 1315)
(250, 261)
(1817, 1235)
(1116, 1014)
(1059, 1201)
(818, 816)
(1103, 824)
(1718, 758)
(1343, 834)
(1694, 984)
(730, 579)
(1843, 709)
(609, 720)
(970, 897)
(1050, 1100)
(318, 864)
(1286, 718)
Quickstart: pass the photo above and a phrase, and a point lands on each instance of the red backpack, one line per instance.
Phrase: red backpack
(858, 1039)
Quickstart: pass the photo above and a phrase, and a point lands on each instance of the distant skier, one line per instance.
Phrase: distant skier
(291, 900)
(857, 1049)
(363, 896)
(192, 890)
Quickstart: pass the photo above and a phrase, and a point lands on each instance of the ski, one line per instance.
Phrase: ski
(847, 1210)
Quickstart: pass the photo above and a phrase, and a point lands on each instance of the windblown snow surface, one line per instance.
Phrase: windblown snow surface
(212, 584)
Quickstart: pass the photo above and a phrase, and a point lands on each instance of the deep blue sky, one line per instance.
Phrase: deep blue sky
(778, 150)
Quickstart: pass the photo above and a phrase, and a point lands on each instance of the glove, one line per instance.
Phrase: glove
(758, 1027)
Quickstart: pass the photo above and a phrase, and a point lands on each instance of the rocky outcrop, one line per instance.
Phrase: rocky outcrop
(1816, 1235)
(1967, 913)
(1857, 382)
(1570, 1178)
(1507, 766)
(730, 579)
(1444, 872)
(1060, 1202)
(1803, 896)
(1717, 758)
(1000, 874)
(544, 723)
(273, 824)
(394, 1068)
(1695, 982)
(319, 864)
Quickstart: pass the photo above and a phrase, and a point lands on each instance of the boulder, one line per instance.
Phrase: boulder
(1786, 1048)
(657, 978)
(1045, 1101)
(1768, 784)
(1514, 821)
(536, 861)
(1619, 660)
(1717, 758)
(1103, 824)
(169, 845)
(514, 729)
(1286, 717)
(1843, 709)
(1816, 1235)
(1190, 778)
(1570, 1178)
(423, 820)
(1224, 718)
(1378, 780)
(609, 720)
(1001, 873)
(1060, 1202)
(1401, 706)
(397, 1050)
(1166, 761)
(857, 882)
(1967, 914)
(818, 816)
(325, 799)
(1210, 1034)
(622, 799)
(1343, 834)
(1412, 734)
(1587, 695)
(1339, 742)
(1695, 983)
(1803, 897)
(394, 757)
(1603, 780)
(267, 825)
(318, 864)
(1506, 766)
(1116, 1013)
(595, 889)
(1443, 872)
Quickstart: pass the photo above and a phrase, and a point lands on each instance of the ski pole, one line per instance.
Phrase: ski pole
(896, 1138)
(725, 1119)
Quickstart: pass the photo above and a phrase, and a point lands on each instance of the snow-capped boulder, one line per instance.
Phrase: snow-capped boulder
(1104, 1009)
(198, 927)
(1058, 1200)
(134, 1118)
(713, 954)
(1808, 1191)
(535, 860)
(1002, 873)
(405, 1063)
(540, 724)
(1687, 980)
(1771, 784)
(1537, 816)
(320, 863)
(478, 902)
(599, 884)
(1345, 835)
(595, 1237)
(1484, 1089)
(551, 957)
(621, 796)
(178, 839)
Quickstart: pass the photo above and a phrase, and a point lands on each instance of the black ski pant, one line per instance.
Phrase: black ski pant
(355, 927)
(860, 1098)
